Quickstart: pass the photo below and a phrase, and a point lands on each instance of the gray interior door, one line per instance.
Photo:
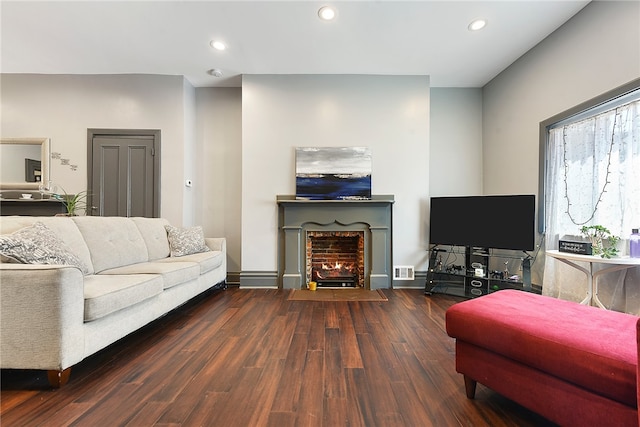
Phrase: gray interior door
(124, 172)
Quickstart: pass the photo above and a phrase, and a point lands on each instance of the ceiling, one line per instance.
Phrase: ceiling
(275, 37)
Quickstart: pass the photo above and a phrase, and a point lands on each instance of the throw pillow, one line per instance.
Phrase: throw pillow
(38, 244)
(186, 241)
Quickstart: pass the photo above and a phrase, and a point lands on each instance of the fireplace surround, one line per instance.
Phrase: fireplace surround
(371, 218)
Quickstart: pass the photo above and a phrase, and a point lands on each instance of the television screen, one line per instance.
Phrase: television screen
(501, 222)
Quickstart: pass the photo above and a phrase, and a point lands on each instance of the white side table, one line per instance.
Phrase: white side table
(616, 264)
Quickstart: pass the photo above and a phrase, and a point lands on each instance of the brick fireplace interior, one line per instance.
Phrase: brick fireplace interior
(335, 258)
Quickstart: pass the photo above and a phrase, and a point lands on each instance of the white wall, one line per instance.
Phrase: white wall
(389, 114)
(63, 107)
(455, 165)
(217, 182)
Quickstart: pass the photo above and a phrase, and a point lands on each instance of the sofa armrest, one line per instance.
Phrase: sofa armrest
(41, 316)
(216, 243)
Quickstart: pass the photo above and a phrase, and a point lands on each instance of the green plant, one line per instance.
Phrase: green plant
(74, 203)
(603, 243)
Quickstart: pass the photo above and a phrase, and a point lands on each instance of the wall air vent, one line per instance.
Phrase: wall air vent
(403, 272)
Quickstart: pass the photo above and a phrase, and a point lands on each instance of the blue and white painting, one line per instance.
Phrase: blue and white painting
(333, 173)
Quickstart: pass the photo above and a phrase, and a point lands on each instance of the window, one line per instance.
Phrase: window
(590, 175)
(592, 169)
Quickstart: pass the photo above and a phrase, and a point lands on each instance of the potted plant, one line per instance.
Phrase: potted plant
(74, 203)
(603, 243)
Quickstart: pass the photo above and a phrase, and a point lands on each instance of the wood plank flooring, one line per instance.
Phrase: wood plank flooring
(254, 358)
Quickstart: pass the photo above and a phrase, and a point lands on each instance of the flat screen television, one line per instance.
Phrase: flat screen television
(501, 222)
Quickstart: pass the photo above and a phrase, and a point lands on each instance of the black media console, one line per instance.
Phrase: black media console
(474, 271)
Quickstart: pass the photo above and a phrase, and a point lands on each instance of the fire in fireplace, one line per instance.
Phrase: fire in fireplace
(335, 258)
(333, 271)
(337, 275)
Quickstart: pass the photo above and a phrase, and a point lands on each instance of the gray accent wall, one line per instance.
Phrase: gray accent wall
(455, 160)
(218, 169)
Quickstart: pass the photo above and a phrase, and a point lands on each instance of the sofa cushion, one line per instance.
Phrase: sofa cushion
(206, 261)
(172, 273)
(38, 244)
(186, 241)
(63, 227)
(155, 236)
(106, 294)
(587, 346)
(112, 241)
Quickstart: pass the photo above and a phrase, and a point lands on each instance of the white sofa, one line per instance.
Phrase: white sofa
(54, 316)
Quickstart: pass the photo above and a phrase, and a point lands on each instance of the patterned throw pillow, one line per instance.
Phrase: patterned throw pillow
(38, 244)
(186, 241)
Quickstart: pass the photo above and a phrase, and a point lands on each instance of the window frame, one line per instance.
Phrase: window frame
(551, 121)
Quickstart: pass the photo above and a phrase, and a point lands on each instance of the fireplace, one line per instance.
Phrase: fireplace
(352, 237)
(335, 259)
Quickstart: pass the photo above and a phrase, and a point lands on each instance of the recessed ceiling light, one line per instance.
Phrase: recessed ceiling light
(477, 24)
(327, 13)
(218, 45)
(215, 72)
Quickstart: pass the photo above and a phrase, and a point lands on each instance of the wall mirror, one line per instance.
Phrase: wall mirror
(24, 163)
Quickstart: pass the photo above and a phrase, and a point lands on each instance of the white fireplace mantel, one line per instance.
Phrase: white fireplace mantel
(296, 217)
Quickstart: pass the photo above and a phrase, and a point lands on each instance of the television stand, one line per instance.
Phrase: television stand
(474, 271)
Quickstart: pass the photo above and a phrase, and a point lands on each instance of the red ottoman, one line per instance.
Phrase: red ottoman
(573, 364)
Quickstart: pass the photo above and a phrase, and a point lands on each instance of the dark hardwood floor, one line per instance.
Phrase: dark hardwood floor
(253, 358)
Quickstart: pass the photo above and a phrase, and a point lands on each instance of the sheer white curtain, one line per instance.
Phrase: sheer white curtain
(593, 177)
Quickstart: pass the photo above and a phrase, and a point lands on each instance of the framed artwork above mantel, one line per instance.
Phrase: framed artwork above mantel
(333, 173)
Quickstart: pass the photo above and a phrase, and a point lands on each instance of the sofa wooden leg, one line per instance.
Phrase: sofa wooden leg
(58, 378)
(470, 387)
